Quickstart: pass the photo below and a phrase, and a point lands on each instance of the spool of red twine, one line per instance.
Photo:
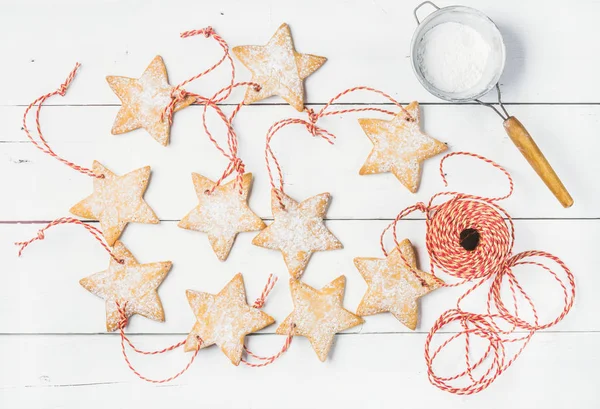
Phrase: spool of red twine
(471, 238)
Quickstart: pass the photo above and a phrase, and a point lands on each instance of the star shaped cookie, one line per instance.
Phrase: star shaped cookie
(318, 314)
(224, 319)
(144, 100)
(392, 286)
(132, 285)
(222, 214)
(298, 230)
(278, 68)
(116, 201)
(399, 146)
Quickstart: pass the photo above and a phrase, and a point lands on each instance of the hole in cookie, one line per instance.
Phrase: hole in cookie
(469, 239)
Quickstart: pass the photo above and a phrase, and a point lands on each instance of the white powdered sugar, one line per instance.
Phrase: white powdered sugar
(297, 230)
(453, 57)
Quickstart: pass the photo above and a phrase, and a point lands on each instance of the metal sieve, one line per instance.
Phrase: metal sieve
(489, 79)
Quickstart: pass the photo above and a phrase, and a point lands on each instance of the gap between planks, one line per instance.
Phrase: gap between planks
(267, 104)
(260, 334)
(268, 219)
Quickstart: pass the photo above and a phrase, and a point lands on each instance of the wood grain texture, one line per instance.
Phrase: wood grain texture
(53, 348)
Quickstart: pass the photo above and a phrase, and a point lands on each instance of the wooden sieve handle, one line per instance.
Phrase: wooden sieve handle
(537, 160)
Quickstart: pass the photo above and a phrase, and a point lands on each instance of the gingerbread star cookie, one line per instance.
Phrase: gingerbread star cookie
(132, 285)
(297, 230)
(116, 201)
(223, 213)
(392, 286)
(144, 100)
(318, 314)
(399, 146)
(278, 68)
(224, 319)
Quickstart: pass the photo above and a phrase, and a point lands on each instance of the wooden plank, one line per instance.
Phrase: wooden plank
(384, 371)
(311, 166)
(366, 43)
(42, 290)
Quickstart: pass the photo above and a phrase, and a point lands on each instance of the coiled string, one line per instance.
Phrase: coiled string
(505, 327)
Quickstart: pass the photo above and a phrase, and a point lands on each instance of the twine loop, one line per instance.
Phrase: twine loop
(70, 220)
(42, 144)
(123, 321)
(471, 238)
(268, 360)
(311, 126)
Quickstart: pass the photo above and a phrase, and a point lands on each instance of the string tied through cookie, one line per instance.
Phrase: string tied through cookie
(123, 321)
(235, 163)
(70, 220)
(42, 144)
(471, 238)
(259, 303)
(178, 94)
(268, 360)
(312, 128)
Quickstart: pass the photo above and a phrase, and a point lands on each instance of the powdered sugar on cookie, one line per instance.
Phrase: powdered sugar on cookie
(278, 68)
(399, 146)
(116, 201)
(144, 101)
(222, 213)
(298, 230)
(319, 314)
(132, 285)
(392, 286)
(224, 319)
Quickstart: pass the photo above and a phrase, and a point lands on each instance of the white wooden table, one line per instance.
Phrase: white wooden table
(54, 352)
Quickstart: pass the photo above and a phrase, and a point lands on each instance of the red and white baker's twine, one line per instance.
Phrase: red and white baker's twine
(179, 94)
(69, 220)
(124, 320)
(491, 261)
(122, 309)
(267, 360)
(314, 130)
(43, 144)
